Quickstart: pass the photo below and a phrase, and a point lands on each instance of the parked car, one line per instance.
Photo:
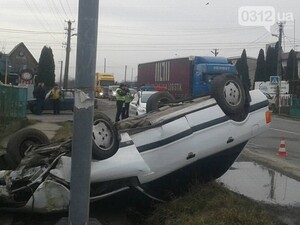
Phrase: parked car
(198, 139)
(138, 104)
(66, 103)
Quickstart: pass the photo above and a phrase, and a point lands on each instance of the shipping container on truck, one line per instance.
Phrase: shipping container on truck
(184, 77)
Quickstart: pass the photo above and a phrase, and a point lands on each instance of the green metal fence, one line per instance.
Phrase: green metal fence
(295, 107)
(13, 103)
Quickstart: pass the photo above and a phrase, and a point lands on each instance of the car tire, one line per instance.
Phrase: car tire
(158, 100)
(229, 93)
(105, 137)
(19, 142)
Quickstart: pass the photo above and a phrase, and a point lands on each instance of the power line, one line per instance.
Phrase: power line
(61, 5)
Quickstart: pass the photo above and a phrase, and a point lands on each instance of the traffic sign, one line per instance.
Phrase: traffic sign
(274, 80)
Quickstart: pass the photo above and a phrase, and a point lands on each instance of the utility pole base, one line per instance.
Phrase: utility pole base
(65, 221)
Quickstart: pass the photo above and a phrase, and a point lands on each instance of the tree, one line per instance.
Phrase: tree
(46, 69)
(271, 63)
(292, 66)
(243, 70)
(261, 72)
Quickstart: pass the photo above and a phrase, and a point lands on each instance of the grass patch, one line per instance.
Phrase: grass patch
(13, 126)
(211, 204)
(65, 132)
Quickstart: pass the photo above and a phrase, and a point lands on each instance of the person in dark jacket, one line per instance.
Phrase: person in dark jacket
(40, 94)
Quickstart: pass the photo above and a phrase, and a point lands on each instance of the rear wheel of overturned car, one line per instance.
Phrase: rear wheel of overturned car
(105, 137)
(21, 141)
(229, 93)
(158, 100)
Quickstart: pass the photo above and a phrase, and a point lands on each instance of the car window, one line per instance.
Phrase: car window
(145, 96)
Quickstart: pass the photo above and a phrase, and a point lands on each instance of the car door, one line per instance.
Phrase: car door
(67, 100)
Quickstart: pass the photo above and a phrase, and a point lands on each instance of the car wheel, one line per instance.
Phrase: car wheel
(19, 142)
(158, 100)
(229, 93)
(105, 137)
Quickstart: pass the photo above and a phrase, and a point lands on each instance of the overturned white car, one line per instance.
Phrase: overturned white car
(199, 139)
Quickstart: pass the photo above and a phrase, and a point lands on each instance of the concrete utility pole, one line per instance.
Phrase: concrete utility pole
(279, 72)
(68, 50)
(215, 51)
(60, 76)
(83, 114)
(279, 49)
(125, 73)
(104, 65)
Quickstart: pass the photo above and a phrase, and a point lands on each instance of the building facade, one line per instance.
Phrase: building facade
(18, 67)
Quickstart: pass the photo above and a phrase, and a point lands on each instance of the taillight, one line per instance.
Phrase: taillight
(268, 117)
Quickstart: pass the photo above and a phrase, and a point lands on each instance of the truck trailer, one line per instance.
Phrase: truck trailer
(184, 77)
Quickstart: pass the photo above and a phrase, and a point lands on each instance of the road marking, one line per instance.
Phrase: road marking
(289, 132)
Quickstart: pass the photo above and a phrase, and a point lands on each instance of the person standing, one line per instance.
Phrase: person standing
(120, 100)
(39, 93)
(55, 95)
(125, 112)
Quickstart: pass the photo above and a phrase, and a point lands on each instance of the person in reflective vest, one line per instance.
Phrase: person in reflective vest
(125, 111)
(120, 100)
(55, 95)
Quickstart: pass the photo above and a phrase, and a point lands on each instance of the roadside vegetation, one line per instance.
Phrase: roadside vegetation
(11, 127)
(210, 204)
(64, 132)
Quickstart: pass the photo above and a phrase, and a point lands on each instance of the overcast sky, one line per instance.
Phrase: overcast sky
(137, 31)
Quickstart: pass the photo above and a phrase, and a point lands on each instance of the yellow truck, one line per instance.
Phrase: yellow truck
(103, 80)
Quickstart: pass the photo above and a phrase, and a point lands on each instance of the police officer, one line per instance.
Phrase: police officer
(120, 100)
(125, 112)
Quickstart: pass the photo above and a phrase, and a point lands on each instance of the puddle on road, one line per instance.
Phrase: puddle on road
(262, 184)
